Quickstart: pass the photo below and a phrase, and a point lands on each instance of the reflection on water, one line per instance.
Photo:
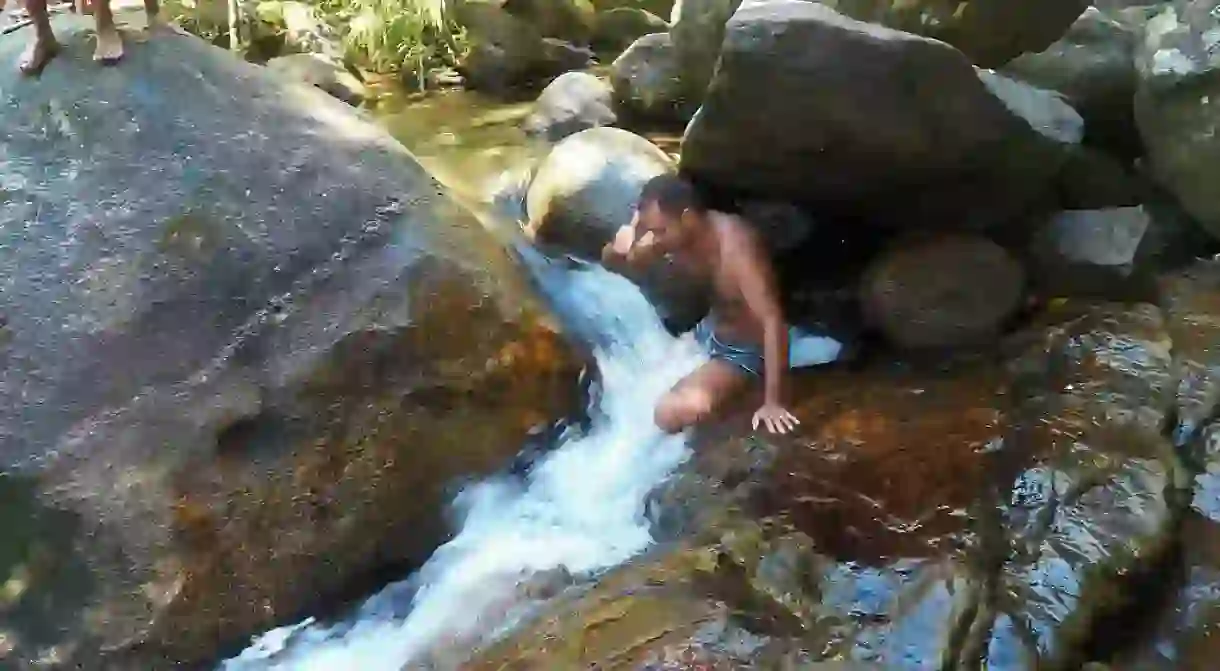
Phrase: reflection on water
(465, 139)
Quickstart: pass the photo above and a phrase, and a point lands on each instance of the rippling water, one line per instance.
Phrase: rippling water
(580, 509)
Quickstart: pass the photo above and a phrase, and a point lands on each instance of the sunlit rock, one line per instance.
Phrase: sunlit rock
(248, 343)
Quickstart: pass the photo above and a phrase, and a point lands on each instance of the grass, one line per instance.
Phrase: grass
(409, 38)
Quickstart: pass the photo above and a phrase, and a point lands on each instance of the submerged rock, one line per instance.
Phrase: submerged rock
(942, 293)
(845, 130)
(974, 516)
(1191, 300)
(248, 342)
(1098, 505)
(1185, 636)
(586, 189)
(1178, 104)
(319, 71)
(573, 102)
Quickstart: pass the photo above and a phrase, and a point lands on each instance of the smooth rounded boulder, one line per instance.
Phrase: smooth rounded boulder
(573, 102)
(587, 188)
(941, 293)
(246, 345)
(859, 120)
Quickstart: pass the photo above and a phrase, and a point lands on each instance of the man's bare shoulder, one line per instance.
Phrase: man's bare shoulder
(733, 228)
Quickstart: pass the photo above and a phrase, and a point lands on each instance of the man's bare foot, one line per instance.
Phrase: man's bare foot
(158, 23)
(37, 55)
(109, 46)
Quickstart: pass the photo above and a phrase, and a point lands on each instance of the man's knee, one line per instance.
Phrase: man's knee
(678, 410)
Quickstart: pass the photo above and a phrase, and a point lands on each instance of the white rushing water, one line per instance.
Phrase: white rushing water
(580, 508)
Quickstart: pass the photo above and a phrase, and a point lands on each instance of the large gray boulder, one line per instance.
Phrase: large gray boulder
(990, 32)
(246, 342)
(810, 106)
(1094, 66)
(1178, 104)
(647, 81)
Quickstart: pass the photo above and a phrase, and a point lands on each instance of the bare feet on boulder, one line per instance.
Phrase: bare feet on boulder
(37, 55)
(109, 45)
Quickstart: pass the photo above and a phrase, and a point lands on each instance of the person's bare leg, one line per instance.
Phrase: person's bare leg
(44, 47)
(699, 395)
(109, 43)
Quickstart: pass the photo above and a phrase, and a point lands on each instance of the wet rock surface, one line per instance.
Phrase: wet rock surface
(980, 514)
(248, 345)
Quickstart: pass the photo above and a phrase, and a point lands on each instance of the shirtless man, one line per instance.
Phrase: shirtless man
(745, 334)
(109, 49)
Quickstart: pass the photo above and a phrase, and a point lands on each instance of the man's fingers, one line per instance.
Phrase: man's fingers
(754, 422)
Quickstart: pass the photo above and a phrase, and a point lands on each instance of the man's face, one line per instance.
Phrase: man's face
(664, 231)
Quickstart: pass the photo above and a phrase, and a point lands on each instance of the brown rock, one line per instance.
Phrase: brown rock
(941, 293)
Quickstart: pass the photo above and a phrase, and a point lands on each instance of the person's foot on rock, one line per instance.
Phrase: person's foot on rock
(157, 23)
(109, 46)
(37, 55)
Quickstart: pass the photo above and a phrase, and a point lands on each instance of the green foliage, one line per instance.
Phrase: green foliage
(407, 37)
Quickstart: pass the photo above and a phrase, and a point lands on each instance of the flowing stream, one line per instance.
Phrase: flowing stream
(579, 509)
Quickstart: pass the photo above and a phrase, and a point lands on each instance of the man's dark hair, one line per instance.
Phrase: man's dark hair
(672, 193)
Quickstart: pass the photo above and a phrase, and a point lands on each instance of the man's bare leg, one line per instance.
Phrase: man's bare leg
(698, 396)
(44, 47)
(109, 43)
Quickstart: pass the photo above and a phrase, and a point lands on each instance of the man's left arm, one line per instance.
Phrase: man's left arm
(756, 277)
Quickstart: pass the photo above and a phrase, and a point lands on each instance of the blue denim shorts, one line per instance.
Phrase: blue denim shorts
(749, 358)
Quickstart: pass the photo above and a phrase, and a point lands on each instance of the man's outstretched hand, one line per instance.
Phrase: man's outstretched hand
(775, 418)
(615, 252)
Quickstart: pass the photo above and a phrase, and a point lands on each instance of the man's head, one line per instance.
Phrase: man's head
(671, 210)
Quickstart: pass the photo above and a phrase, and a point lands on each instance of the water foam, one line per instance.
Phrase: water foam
(580, 509)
